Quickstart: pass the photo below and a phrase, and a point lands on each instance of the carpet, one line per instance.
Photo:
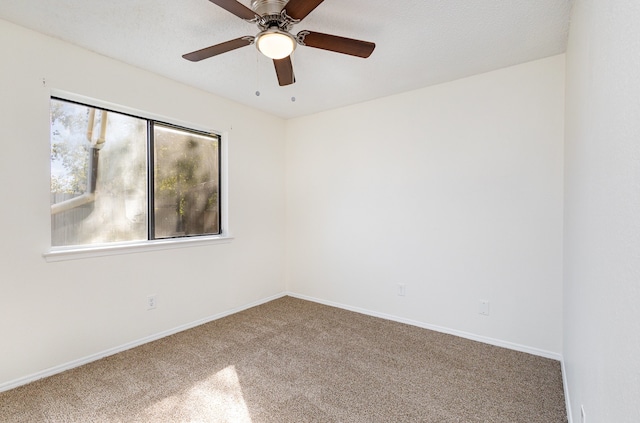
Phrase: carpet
(292, 360)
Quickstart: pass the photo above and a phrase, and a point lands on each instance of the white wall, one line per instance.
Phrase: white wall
(602, 211)
(454, 190)
(53, 313)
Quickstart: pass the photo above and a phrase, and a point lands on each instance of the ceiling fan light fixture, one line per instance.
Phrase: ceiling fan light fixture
(275, 44)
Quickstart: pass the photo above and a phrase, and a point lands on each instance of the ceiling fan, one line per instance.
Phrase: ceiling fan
(275, 19)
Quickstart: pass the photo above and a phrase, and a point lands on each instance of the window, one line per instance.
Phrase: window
(117, 178)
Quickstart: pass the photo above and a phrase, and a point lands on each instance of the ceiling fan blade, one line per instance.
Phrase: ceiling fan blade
(205, 53)
(284, 70)
(299, 9)
(334, 43)
(237, 8)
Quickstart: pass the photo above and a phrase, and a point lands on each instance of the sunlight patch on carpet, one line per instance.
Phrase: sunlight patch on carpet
(217, 398)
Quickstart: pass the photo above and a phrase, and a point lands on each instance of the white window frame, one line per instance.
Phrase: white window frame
(64, 253)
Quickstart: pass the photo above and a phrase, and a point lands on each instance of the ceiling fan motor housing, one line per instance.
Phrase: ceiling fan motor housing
(268, 7)
(270, 14)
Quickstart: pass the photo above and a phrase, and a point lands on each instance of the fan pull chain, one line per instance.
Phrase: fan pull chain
(257, 75)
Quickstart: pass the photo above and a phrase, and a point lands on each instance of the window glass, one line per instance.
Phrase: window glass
(186, 180)
(98, 175)
(105, 179)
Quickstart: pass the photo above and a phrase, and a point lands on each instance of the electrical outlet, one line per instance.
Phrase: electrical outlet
(583, 416)
(483, 307)
(402, 289)
(152, 302)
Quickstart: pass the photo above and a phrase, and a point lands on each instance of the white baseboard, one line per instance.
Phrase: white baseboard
(111, 351)
(567, 399)
(462, 334)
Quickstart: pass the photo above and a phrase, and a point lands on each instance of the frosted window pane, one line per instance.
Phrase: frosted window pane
(186, 183)
(98, 176)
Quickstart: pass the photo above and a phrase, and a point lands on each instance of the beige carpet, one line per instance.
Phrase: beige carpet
(296, 361)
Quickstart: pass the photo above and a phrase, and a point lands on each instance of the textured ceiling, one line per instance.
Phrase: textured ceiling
(418, 43)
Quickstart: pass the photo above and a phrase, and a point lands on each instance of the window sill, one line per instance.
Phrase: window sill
(74, 253)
